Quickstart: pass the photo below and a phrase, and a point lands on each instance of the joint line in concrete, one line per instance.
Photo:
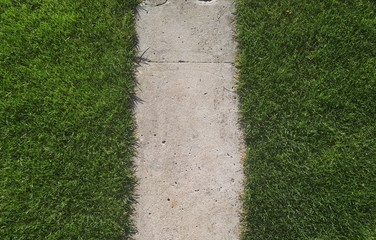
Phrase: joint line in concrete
(185, 62)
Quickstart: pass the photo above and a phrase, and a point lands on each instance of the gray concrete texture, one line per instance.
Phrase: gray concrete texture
(189, 157)
(187, 30)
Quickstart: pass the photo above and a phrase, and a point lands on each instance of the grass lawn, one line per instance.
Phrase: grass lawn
(66, 126)
(308, 102)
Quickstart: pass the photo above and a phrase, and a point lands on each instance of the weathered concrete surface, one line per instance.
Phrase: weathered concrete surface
(189, 161)
(187, 30)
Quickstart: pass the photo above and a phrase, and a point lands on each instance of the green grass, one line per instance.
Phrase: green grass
(66, 125)
(308, 101)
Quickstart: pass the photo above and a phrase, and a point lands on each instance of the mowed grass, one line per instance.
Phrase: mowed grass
(308, 101)
(66, 126)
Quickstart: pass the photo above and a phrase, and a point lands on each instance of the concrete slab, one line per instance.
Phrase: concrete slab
(189, 162)
(189, 158)
(186, 30)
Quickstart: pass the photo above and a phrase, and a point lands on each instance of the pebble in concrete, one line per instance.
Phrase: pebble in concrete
(189, 162)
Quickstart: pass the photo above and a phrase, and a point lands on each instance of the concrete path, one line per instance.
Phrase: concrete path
(189, 161)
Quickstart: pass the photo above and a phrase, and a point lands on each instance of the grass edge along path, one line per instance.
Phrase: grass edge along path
(66, 121)
(308, 100)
